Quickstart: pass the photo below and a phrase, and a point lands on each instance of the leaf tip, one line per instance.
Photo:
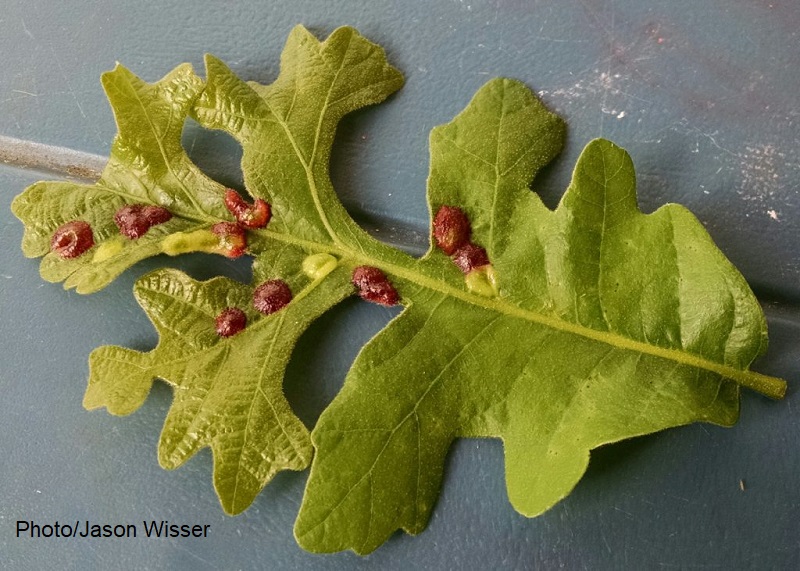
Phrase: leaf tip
(119, 70)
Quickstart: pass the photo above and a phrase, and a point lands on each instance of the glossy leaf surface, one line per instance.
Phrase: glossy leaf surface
(228, 389)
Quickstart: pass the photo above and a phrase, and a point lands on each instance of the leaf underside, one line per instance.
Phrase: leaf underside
(601, 323)
(608, 324)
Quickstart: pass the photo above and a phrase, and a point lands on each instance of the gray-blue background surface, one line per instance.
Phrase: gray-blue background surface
(703, 95)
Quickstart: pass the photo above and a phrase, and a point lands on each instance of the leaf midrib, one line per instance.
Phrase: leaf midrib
(160, 143)
(769, 386)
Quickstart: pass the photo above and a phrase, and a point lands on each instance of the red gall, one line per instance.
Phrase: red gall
(72, 239)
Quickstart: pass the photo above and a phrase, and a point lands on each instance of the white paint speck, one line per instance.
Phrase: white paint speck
(762, 169)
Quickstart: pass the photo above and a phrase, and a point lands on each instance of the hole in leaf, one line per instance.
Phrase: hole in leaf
(215, 153)
(219, 157)
(326, 350)
(377, 190)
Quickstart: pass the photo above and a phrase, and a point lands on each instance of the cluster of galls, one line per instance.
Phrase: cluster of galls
(226, 238)
(232, 235)
(75, 237)
(273, 295)
(452, 231)
(134, 220)
(269, 297)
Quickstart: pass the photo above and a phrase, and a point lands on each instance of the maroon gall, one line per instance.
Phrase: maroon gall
(451, 229)
(373, 285)
(254, 215)
(72, 239)
(232, 238)
(230, 321)
(134, 220)
(272, 296)
(470, 257)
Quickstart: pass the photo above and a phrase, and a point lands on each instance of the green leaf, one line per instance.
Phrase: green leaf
(228, 391)
(286, 129)
(608, 324)
(147, 166)
(590, 324)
